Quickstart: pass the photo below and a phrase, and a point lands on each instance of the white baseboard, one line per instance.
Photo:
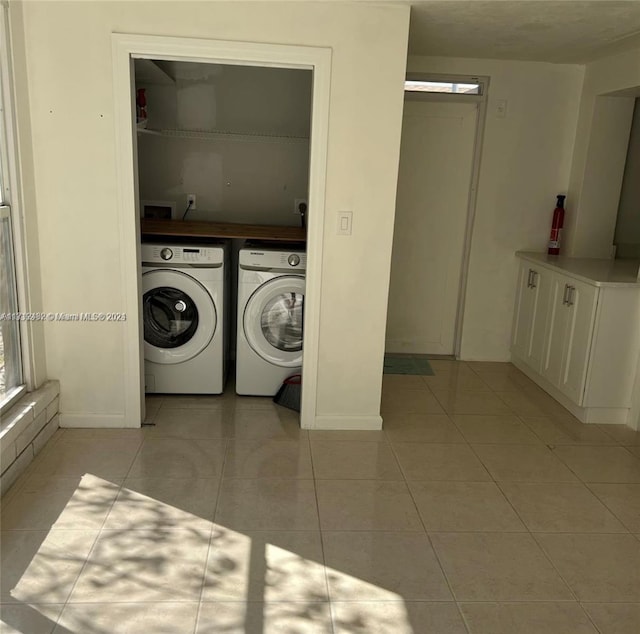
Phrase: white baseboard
(93, 421)
(358, 423)
(607, 415)
(592, 415)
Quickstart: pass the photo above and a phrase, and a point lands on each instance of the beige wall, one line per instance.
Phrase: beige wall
(627, 235)
(591, 228)
(600, 154)
(250, 182)
(525, 162)
(70, 101)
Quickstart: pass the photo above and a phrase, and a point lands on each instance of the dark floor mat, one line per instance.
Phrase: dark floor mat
(407, 364)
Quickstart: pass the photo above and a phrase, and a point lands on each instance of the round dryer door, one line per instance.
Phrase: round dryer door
(273, 321)
(179, 316)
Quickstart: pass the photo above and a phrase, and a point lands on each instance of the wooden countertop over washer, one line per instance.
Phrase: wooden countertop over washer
(202, 229)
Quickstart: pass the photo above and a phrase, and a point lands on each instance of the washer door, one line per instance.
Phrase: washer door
(273, 321)
(179, 316)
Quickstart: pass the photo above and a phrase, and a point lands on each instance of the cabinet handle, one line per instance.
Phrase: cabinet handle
(564, 296)
(571, 290)
(530, 279)
(534, 279)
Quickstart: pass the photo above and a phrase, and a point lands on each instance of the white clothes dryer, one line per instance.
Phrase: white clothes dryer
(183, 309)
(271, 287)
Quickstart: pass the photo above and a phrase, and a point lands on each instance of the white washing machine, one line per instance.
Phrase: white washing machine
(183, 309)
(271, 286)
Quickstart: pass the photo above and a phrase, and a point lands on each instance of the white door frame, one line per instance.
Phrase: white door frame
(127, 47)
(481, 100)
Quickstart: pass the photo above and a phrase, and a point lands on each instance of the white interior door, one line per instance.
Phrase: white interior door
(436, 164)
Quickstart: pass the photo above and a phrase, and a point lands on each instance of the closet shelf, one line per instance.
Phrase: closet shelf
(202, 229)
(149, 72)
(225, 135)
(148, 131)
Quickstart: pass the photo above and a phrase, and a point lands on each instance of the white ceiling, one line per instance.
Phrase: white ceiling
(573, 31)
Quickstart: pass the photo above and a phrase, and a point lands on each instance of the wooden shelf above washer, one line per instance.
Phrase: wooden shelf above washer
(201, 229)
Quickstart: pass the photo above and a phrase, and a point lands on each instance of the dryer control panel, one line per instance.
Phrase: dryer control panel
(272, 259)
(192, 255)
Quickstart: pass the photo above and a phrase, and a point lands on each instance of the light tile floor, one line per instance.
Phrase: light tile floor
(483, 507)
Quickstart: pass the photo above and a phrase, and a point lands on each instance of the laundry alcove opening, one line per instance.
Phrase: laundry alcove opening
(225, 144)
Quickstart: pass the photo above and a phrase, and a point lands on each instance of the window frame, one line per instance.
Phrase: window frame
(11, 197)
(423, 95)
(15, 392)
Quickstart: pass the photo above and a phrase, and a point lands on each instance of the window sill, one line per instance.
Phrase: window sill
(25, 429)
(12, 398)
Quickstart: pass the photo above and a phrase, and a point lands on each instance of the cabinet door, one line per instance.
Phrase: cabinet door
(572, 306)
(581, 301)
(531, 314)
(541, 280)
(524, 313)
(552, 359)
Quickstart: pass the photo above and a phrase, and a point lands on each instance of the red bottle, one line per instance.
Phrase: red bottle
(556, 227)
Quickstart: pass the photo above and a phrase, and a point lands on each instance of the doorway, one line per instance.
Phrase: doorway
(434, 212)
(127, 48)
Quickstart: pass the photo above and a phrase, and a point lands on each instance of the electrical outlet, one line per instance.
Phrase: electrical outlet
(296, 206)
(191, 201)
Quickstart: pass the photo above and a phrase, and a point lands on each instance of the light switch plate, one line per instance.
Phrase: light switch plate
(345, 220)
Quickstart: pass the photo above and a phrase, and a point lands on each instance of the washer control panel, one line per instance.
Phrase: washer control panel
(182, 254)
(270, 259)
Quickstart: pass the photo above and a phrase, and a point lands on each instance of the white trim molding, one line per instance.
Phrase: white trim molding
(126, 47)
(481, 116)
(93, 421)
(587, 415)
(13, 196)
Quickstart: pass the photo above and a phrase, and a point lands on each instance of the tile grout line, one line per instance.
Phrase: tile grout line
(318, 511)
(595, 626)
(321, 533)
(428, 536)
(98, 533)
(101, 528)
(211, 534)
(20, 482)
(151, 422)
(587, 485)
(528, 531)
(631, 453)
(539, 547)
(517, 514)
(555, 422)
(602, 427)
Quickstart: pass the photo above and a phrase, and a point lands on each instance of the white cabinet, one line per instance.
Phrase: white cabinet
(579, 339)
(531, 314)
(568, 335)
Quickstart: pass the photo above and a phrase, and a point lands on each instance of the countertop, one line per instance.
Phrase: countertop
(599, 272)
(201, 229)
